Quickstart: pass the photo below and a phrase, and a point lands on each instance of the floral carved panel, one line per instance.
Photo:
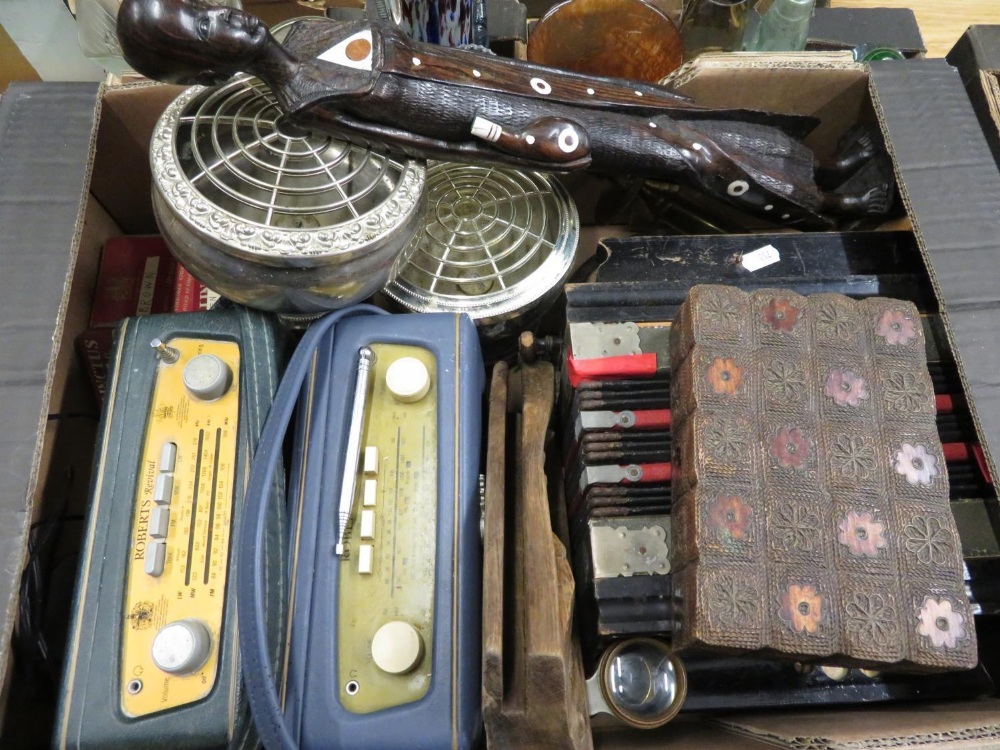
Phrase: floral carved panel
(819, 487)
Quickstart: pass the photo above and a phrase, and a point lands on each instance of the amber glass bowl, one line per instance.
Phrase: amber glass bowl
(620, 38)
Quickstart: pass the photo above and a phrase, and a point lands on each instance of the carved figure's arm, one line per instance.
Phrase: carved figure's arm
(554, 140)
(368, 133)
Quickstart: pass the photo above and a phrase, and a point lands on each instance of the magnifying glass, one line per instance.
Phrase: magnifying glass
(640, 681)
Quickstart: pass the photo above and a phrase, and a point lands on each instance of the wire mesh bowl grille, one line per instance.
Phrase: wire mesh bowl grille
(495, 241)
(240, 151)
(272, 214)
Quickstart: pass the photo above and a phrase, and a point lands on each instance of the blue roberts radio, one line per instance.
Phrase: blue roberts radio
(384, 633)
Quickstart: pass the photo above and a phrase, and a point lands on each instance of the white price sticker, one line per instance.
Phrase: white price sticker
(760, 258)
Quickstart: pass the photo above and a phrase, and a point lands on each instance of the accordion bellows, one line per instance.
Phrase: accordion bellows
(810, 514)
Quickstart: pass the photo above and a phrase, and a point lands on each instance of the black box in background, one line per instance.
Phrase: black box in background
(977, 57)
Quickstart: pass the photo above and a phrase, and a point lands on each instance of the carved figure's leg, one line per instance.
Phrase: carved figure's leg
(852, 156)
(874, 201)
(754, 167)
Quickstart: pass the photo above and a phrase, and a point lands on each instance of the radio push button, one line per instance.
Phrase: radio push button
(207, 377)
(365, 553)
(159, 522)
(163, 489)
(397, 647)
(371, 461)
(156, 556)
(367, 524)
(371, 487)
(182, 647)
(408, 380)
(168, 457)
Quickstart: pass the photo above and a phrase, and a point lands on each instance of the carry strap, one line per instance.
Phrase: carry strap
(258, 674)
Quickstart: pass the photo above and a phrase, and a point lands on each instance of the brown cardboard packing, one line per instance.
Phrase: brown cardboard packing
(977, 57)
(75, 171)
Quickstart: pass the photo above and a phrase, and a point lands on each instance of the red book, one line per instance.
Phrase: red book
(94, 347)
(190, 295)
(136, 278)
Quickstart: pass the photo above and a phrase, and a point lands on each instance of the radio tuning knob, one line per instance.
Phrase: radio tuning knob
(397, 647)
(207, 377)
(182, 647)
(408, 380)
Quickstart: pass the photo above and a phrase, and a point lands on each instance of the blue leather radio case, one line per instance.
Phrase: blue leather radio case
(322, 375)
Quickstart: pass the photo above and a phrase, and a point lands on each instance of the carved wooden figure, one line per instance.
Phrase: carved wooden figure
(370, 84)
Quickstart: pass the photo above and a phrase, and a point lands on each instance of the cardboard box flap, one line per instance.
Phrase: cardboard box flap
(962, 726)
(46, 136)
(977, 57)
(978, 49)
(785, 82)
(956, 228)
(121, 176)
(838, 28)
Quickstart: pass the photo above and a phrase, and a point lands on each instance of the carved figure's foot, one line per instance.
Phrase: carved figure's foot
(875, 202)
(856, 150)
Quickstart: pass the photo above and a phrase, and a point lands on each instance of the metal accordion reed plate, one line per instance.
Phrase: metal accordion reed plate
(497, 244)
(272, 214)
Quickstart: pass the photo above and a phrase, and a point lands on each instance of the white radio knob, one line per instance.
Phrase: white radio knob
(182, 647)
(397, 647)
(207, 377)
(408, 380)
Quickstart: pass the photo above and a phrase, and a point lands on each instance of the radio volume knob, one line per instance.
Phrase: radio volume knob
(408, 379)
(397, 647)
(182, 647)
(207, 377)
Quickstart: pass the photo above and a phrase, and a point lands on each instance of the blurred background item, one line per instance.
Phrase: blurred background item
(783, 28)
(713, 26)
(95, 25)
(634, 39)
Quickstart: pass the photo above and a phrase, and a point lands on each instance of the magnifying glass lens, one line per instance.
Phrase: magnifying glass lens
(641, 681)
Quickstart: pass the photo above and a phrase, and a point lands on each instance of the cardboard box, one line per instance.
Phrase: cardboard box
(76, 171)
(977, 57)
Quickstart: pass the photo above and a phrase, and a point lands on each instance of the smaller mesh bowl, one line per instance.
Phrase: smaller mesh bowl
(497, 243)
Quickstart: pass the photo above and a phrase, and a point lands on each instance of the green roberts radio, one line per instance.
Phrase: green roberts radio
(152, 658)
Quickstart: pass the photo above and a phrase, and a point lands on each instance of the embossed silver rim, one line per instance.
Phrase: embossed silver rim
(232, 166)
(495, 241)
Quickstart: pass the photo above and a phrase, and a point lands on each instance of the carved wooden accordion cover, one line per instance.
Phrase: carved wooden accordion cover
(811, 513)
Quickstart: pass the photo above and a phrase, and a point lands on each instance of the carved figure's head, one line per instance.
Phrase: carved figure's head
(189, 41)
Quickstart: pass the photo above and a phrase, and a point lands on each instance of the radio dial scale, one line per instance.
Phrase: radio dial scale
(179, 555)
(386, 593)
